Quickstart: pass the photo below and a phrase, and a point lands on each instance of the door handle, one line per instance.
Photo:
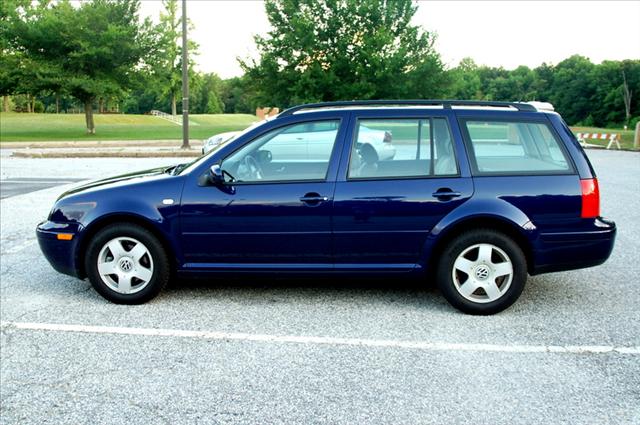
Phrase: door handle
(445, 193)
(313, 199)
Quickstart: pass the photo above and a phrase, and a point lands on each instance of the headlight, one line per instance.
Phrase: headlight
(71, 212)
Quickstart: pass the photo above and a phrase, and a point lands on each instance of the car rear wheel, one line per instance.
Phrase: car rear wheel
(126, 264)
(482, 272)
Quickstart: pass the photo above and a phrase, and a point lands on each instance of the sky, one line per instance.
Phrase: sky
(494, 33)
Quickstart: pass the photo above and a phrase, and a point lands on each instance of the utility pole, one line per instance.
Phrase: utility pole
(185, 80)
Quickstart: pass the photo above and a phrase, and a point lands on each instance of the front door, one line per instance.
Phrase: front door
(400, 180)
(274, 210)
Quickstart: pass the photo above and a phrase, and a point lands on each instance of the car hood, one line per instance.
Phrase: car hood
(121, 180)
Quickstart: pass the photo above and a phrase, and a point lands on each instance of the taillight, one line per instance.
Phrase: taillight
(590, 198)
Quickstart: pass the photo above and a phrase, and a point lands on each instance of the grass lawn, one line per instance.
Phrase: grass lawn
(44, 127)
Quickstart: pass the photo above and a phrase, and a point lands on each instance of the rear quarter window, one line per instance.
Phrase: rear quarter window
(513, 147)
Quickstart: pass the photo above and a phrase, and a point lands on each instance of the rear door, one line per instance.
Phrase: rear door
(385, 207)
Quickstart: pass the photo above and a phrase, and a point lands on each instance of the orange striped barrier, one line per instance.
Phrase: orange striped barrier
(611, 137)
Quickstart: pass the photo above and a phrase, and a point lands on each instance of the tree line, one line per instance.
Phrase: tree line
(99, 55)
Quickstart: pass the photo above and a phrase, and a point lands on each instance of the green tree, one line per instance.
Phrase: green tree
(238, 96)
(323, 50)
(465, 80)
(542, 82)
(573, 89)
(610, 104)
(630, 88)
(91, 50)
(14, 68)
(205, 94)
(168, 58)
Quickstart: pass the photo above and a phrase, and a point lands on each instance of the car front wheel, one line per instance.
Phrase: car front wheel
(482, 272)
(126, 264)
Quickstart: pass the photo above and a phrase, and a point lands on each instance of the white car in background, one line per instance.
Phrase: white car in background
(217, 140)
(310, 142)
(380, 140)
(310, 145)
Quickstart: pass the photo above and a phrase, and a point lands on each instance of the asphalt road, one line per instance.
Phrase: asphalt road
(18, 186)
(315, 351)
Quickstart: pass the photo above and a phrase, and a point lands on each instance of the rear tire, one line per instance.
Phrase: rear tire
(127, 264)
(482, 272)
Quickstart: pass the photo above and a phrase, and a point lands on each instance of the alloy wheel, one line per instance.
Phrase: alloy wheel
(482, 273)
(125, 265)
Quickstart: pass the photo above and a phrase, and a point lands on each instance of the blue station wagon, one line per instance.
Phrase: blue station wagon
(472, 195)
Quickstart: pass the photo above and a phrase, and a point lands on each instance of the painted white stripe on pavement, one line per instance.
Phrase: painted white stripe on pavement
(321, 340)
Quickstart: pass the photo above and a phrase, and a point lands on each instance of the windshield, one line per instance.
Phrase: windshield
(187, 167)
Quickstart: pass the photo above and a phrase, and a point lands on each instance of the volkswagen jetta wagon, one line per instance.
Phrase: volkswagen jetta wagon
(476, 196)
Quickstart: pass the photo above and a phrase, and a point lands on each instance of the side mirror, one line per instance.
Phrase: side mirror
(216, 176)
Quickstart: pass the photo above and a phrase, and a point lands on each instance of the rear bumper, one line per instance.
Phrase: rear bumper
(59, 253)
(574, 250)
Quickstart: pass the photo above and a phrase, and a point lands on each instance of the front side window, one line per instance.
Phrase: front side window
(396, 148)
(296, 152)
(515, 147)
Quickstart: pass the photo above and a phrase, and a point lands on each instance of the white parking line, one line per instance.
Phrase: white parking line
(321, 340)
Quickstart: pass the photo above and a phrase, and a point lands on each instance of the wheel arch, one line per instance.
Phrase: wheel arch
(493, 222)
(121, 218)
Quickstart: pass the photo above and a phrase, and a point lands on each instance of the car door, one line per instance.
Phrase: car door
(384, 208)
(274, 211)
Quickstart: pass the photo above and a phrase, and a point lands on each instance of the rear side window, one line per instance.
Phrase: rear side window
(396, 148)
(515, 147)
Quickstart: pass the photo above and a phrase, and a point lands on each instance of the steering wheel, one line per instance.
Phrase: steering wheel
(254, 168)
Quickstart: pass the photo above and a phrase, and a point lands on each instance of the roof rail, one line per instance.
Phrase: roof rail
(446, 104)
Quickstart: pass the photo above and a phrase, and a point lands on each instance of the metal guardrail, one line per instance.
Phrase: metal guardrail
(176, 119)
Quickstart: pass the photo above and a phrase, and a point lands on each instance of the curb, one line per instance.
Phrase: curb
(133, 154)
(98, 144)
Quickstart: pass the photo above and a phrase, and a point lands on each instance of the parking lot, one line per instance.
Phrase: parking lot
(313, 350)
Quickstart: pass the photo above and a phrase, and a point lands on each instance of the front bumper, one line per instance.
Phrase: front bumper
(61, 254)
(574, 250)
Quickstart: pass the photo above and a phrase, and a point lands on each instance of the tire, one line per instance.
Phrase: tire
(127, 264)
(493, 266)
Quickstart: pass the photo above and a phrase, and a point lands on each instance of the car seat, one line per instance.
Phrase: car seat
(369, 158)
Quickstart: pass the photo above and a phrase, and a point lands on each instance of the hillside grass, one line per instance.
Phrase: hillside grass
(19, 127)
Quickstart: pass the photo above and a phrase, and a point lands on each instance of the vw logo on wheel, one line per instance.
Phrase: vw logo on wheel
(482, 272)
(126, 265)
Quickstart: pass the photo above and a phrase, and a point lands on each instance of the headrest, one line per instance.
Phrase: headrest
(368, 154)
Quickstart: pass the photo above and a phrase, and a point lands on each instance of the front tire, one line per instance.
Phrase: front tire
(127, 264)
(482, 272)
